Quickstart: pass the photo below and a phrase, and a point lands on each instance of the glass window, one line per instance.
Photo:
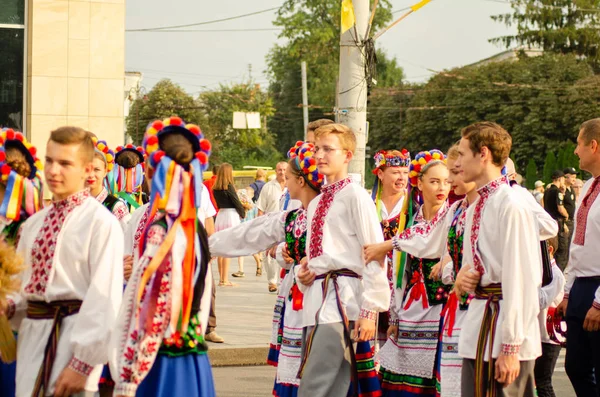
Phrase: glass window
(12, 45)
(12, 12)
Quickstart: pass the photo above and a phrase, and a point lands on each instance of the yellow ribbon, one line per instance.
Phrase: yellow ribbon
(419, 5)
(348, 18)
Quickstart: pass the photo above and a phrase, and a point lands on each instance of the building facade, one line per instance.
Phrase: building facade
(63, 64)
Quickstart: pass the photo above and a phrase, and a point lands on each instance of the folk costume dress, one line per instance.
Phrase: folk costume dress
(116, 206)
(408, 362)
(257, 235)
(440, 237)
(341, 220)
(127, 183)
(158, 347)
(73, 254)
(22, 198)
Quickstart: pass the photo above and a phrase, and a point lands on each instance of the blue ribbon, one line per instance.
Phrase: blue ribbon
(198, 182)
(159, 179)
(10, 185)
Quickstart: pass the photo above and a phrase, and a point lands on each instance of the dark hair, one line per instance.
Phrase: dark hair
(313, 125)
(553, 242)
(75, 136)
(177, 147)
(492, 136)
(215, 169)
(127, 159)
(17, 161)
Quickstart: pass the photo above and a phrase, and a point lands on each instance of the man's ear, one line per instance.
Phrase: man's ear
(349, 156)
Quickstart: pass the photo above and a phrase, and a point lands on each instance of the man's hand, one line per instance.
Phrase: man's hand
(127, 266)
(507, 369)
(377, 252)
(467, 280)
(364, 330)
(566, 228)
(305, 275)
(392, 331)
(69, 382)
(592, 320)
(436, 270)
(561, 309)
(286, 256)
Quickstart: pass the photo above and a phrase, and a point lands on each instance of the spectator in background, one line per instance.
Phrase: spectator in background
(312, 126)
(577, 186)
(210, 183)
(244, 196)
(554, 205)
(257, 185)
(570, 202)
(538, 192)
(230, 214)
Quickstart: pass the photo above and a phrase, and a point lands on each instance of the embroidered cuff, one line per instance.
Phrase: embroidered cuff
(396, 243)
(394, 322)
(596, 305)
(10, 308)
(80, 367)
(125, 389)
(368, 314)
(510, 350)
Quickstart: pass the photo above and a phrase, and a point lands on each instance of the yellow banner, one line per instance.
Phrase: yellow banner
(419, 5)
(347, 15)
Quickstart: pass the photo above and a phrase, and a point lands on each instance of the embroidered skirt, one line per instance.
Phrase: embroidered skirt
(451, 362)
(226, 218)
(285, 390)
(189, 375)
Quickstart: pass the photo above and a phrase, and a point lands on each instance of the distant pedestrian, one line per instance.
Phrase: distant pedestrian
(210, 183)
(577, 186)
(312, 127)
(257, 185)
(538, 192)
(554, 205)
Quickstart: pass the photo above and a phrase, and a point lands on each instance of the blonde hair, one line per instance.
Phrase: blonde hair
(345, 135)
(224, 177)
(453, 152)
(260, 173)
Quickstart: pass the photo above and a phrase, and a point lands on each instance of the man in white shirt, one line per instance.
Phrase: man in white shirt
(501, 243)
(270, 201)
(581, 302)
(72, 284)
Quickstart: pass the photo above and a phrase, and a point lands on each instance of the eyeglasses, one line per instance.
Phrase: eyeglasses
(326, 149)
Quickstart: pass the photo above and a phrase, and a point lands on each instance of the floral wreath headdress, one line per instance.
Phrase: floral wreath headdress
(109, 160)
(303, 153)
(176, 191)
(23, 194)
(418, 166)
(384, 158)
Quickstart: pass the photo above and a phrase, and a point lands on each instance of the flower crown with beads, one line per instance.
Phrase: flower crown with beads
(420, 163)
(174, 124)
(23, 194)
(303, 153)
(109, 155)
(383, 158)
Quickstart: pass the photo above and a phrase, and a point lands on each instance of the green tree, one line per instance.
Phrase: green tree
(559, 26)
(549, 167)
(531, 174)
(311, 30)
(541, 101)
(238, 146)
(165, 99)
(560, 160)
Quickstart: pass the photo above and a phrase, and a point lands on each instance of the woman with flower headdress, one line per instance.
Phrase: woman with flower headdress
(21, 197)
(408, 359)
(288, 227)
(389, 192)
(126, 181)
(158, 346)
(104, 162)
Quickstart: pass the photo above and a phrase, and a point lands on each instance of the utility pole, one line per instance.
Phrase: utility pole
(352, 93)
(250, 72)
(304, 98)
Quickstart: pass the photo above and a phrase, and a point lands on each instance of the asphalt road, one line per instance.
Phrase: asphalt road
(258, 381)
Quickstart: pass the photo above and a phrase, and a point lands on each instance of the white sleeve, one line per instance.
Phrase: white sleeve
(279, 257)
(207, 205)
(249, 237)
(448, 275)
(376, 293)
(263, 198)
(426, 239)
(98, 313)
(520, 272)
(549, 293)
(546, 225)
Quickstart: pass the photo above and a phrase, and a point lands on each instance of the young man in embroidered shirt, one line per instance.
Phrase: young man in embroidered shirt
(341, 220)
(72, 253)
(501, 244)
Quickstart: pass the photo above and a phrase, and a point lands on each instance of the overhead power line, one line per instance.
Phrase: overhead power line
(203, 22)
(549, 6)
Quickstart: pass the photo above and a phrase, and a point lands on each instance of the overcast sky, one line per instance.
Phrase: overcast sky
(443, 34)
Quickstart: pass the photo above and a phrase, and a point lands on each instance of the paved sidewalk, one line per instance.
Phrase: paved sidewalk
(244, 317)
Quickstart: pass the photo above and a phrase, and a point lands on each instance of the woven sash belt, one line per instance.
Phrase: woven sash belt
(492, 294)
(333, 276)
(56, 311)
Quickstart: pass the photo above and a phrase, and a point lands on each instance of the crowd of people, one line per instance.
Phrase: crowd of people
(445, 280)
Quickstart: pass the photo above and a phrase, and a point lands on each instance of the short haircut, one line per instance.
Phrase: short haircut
(553, 242)
(590, 131)
(345, 135)
(313, 125)
(260, 173)
(70, 135)
(492, 136)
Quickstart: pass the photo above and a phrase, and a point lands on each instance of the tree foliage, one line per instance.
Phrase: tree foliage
(311, 33)
(559, 26)
(531, 174)
(165, 99)
(549, 166)
(541, 101)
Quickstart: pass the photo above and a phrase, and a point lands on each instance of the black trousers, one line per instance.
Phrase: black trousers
(583, 347)
(523, 386)
(562, 253)
(544, 368)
